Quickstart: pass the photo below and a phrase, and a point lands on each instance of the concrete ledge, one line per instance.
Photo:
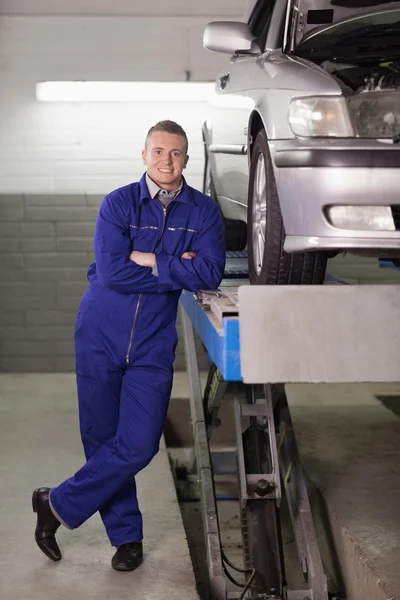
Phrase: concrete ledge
(311, 334)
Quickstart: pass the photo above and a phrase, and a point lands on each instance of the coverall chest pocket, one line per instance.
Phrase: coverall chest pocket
(144, 237)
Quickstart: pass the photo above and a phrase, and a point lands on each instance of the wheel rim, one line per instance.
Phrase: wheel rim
(259, 213)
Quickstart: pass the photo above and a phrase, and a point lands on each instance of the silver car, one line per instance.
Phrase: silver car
(302, 135)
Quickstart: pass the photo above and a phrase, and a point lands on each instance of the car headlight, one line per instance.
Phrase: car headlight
(375, 114)
(323, 116)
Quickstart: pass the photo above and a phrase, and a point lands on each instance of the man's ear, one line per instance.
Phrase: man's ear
(186, 161)
(144, 157)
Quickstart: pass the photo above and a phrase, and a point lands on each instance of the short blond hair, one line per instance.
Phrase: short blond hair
(169, 127)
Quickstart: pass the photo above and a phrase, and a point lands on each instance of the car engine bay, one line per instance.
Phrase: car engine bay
(358, 79)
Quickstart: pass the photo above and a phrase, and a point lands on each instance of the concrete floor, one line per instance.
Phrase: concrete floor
(349, 443)
(40, 445)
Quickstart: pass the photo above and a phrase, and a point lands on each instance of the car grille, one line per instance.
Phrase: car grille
(396, 215)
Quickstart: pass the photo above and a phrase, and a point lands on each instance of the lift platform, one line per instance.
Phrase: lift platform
(258, 339)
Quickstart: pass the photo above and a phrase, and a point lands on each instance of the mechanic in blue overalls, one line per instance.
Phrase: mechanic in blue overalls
(152, 239)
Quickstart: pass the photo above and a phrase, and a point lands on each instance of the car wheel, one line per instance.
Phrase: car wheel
(268, 262)
(235, 231)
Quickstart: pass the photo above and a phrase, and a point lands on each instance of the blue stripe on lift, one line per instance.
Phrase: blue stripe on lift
(224, 350)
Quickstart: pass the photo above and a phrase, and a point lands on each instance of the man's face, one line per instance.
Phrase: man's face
(165, 157)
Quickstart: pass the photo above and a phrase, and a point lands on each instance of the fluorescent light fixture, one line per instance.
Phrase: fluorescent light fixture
(124, 91)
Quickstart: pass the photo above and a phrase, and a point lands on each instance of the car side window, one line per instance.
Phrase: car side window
(260, 19)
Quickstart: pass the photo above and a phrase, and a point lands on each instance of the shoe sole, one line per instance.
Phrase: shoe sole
(42, 548)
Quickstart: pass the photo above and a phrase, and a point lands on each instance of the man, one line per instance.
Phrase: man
(152, 239)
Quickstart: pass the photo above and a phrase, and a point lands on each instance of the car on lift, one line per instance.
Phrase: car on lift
(302, 134)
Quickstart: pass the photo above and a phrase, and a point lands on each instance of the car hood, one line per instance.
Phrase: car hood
(309, 18)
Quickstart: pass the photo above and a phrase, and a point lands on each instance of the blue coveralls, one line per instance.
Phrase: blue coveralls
(125, 340)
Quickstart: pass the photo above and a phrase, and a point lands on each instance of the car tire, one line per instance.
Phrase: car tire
(269, 264)
(235, 231)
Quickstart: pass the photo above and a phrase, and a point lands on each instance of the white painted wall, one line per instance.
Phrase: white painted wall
(229, 8)
(93, 148)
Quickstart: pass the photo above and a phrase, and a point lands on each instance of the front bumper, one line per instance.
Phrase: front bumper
(314, 175)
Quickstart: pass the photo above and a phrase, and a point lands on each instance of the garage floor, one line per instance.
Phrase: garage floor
(349, 443)
(40, 445)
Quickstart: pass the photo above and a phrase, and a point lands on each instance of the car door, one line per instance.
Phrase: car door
(229, 115)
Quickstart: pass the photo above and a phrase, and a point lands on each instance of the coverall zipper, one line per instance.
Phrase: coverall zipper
(133, 329)
(164, 218)
(140, 295)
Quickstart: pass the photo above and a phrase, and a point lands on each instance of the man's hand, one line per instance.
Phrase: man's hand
(189, 255)
(143, 259)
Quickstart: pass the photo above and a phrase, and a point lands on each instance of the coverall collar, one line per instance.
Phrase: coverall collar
(185, 195)
(155, 189)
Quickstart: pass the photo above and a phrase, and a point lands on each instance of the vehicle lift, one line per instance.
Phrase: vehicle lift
(292, 334)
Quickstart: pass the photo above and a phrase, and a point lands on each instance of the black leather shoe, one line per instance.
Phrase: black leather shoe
(128, 557)
(46, 525)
